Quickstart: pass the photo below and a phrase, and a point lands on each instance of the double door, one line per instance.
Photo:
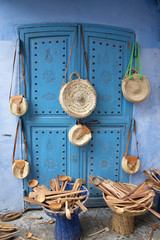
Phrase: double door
(46, 52)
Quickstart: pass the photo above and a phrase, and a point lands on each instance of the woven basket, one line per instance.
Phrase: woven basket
(22, 109)
(74, 132)
(123, 224)
(16, 171)
(135, 90)
(128, 167)
(78, 97)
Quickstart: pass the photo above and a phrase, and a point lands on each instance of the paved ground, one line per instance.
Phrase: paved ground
(93, 220)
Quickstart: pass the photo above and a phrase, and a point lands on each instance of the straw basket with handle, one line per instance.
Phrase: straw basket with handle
(20, 168)
(79, 135)
(78, 97)
(130, 163)
(135, 86)
(18, 105)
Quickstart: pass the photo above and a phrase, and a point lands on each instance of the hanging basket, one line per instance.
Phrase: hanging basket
(78, 97)
(135, 90)
(17, 171)
(135, 86)
(77, 136)
(128, 168)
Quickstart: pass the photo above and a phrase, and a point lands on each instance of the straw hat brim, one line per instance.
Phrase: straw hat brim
(135, 89)
(74, 132)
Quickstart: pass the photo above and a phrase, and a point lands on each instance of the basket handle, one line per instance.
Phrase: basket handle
(135, 130)
(69, 58)
(24, 77)
(74, 73)
(138, 62)
(132, 69)
(15, 141)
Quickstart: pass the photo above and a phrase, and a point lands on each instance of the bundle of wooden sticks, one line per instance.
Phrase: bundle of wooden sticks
(125, 199)
(58, 198)
(153, 179)
(7, 231)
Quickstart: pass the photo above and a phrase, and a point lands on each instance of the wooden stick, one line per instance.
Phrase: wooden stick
(43, 187)
(37, 189)
(63, 189)
(102, 189)
(21, 238)
(105, 229)
(64, 199)
(52, 185)
(44, 222)
(80, 204)
(1, 227)
(119, 192)
(9, 234)
(65, 194)
(135, 190)
(140, 201)
(27, 199)
(139, 195)
(121, 188)
(58, 184)
(40, 217)
(109, 188)
(124, 186)
(149, 209)
(155, 177)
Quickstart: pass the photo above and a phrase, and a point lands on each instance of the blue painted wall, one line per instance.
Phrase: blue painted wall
(140, 15)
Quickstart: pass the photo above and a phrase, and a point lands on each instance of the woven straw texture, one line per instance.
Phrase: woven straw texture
(23, 107)
(135, 90)
(78, 97)
(123, 223)
(16, 170)
(128, 167)
(74, 132)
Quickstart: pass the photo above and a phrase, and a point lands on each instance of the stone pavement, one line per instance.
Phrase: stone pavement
(92, 221)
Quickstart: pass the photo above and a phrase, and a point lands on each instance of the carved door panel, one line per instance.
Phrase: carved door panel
(46, 52)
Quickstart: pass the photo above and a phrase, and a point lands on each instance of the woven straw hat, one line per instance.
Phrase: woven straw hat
(78, 97)
(76, 138)
(135, 89)
(22, 108)
(128, 168)
(17, 171)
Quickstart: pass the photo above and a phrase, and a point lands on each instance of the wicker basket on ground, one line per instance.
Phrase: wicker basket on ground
(123, 223)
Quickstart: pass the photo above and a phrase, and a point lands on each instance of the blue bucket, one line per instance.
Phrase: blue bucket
(66, 229)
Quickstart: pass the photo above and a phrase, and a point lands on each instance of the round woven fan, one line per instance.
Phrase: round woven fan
(78, 98)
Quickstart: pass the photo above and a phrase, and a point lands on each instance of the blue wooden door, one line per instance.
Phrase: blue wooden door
(46, 52)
